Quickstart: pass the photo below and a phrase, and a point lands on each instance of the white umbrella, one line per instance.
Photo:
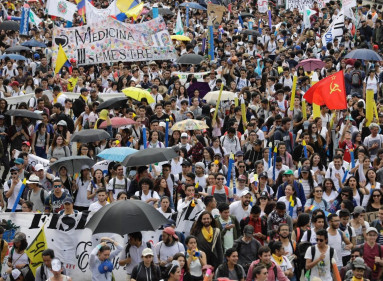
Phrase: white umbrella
(212, 97)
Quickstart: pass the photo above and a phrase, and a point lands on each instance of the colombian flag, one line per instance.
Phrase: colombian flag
(81, 9)
(62, 60)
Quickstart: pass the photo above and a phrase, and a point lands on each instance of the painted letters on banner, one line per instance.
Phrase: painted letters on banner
(301, 4)
(113, 41)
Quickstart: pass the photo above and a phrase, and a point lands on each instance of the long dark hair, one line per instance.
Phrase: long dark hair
(320, 164)
(196, 229)
(371, 199)
(186, 267)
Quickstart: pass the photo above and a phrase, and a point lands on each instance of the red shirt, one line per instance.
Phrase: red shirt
(369, 255)
(257, 224)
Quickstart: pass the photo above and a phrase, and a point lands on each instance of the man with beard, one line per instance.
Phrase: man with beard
(240, 209)
(168, 247)
(274, 271)
(208, 239)
(101, 202)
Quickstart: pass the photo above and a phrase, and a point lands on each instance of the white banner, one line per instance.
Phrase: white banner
(335, 29)
(301, 4)
(69, 239)
(113, 41)
(199, 75)
(94, 15)
(262, 6)
(62, 9)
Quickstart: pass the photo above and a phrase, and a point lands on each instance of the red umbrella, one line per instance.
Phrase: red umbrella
(311, 64)
(118, 122)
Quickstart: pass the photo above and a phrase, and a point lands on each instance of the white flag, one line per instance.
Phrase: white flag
(306, 17)
(94, 15)
(335, 29)
(347, 8)
(179, 27)
(35, 20)
(62, 9)
(262, 6)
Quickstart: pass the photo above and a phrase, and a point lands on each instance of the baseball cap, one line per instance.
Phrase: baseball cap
(26, 143)
(242, 178)
(171, 231)
(83, 90)
(359, 263)
(162, 124)
(15, 83)
(39, 167)
(19, 237)
(257, 142)
(264, 194)
(248, 230)
(147, 252)
(57, 179)
(263, 175)
(305, 169)
(358, 210)
(19, 161)
(200, 164)
(33, 179)
(245, 192)
(239, 153)
(105, 266)
(16, 273)
(14, 168)
(184, 135)
(56, 265)
(371, 229)
(289, 172)
(85, 167)
(68, 199)
(186, 163)
(62, 123)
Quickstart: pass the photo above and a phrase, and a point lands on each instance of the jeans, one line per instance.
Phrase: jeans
(40, 152)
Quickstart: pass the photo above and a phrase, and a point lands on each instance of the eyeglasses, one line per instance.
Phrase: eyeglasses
(376, 195)
(57, 185)
(318, 191)
(220, 179)
(320, 240)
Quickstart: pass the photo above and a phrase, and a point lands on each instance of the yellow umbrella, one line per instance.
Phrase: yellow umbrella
(189, 125)
(180, 38)
(138, 94)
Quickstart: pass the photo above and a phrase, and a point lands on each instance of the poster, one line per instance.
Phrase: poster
(113, 41)
(215, 12)
(335, 30)
(68, 237)
(262, 6)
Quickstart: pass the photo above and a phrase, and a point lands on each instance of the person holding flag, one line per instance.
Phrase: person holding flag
(293, 204)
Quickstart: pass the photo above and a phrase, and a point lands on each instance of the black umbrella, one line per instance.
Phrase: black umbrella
(149, 156)
(162, 11)
(126, 216)
(24, 113)
(190, 59)
(248, 15)
(250, 32)
(34, 43)
(17, 49)
(10, 25)
(90, 135)
(363, 54)
(73, 164)
(113, 103)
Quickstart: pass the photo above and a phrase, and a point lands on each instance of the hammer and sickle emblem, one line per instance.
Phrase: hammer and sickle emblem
(334, 87)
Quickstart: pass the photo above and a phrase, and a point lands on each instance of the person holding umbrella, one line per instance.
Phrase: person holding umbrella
(100, 260)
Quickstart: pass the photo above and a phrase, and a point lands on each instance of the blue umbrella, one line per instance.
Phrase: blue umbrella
(193, 5)
(34, 43)
(364, 54)
(13, 57)
(116, 153)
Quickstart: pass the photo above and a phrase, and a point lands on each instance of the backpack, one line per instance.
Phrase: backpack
(127, 248)
(42, 198)
(247, 81)
(344, 171)
(324, 201)
(224, 137)
(226, 190)
(126, 184)
(356, 79)
(151, 193)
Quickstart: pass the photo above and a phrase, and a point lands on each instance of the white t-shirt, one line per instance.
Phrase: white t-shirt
(287, 203)
(94, 207)
(321, 269)
(285, 265)
(12, 198)
(313, 237)
(82, 196)
(237, 210)
(164, 252)
(118, 186)
(151, 194)
(336, 242)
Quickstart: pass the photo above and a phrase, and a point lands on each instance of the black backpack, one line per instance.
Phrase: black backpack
(356, 79)
(313, 255)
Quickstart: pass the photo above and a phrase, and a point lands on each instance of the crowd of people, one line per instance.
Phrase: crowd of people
(266, 192)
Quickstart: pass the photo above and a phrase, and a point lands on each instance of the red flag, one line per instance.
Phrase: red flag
(330, 91)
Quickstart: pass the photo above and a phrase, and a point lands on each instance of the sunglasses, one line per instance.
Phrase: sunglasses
(57, 185)
(377, 195)
(320, 240)
(13, 173)
(220, 179)
(318, 191)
